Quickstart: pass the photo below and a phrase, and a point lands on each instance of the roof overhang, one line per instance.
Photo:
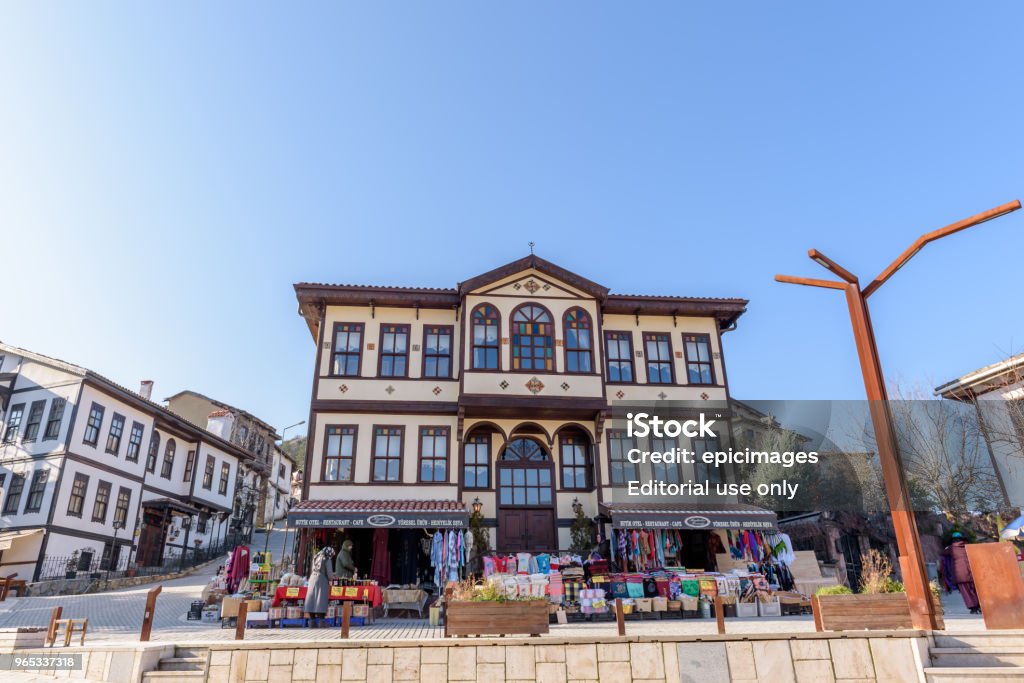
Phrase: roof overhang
(8, 538)
(383, 514)
(983, 380)
(689, 517)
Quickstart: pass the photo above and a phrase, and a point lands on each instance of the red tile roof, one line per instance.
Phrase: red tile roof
(380, 506)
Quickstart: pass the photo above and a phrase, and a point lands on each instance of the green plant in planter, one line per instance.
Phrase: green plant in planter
(582, 532)
(834, 590)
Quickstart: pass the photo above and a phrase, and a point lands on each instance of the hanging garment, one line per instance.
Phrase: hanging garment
(239, 569)
(437, 558)
(453, 545)
(380, 569)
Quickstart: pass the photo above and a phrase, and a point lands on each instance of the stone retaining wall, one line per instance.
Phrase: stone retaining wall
(889, 657)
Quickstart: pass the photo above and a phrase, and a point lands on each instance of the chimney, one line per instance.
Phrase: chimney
(146, 389)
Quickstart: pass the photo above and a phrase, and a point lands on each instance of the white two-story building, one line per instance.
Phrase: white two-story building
(93, 475)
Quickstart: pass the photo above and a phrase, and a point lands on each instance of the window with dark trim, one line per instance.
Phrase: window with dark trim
(620, 469)
(394, 351)
(190, 466)
(154, 449)
(434, 454)
(348, 347)
(697, 348)
(168, 465)
(208, 472)
(619, 357)
(339, 453)
(124, 501)
(14, 423)
(93, 425)
(100, 502)
(668, 472)
(13, 499)
(76, 501)
(53, 421)
(114, 435)
(204, 517)
(574, 457)
(705, 471)
(437, 351)
(658, 351)
(134, 442)
(225, 474)
(35, 418)
(486, 323)
(36, 490)
(533, 339)
(476, 467)
(579, 341)
(387, 454)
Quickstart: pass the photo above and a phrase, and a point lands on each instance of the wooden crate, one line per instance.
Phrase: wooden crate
(529, 617)
(884, 611)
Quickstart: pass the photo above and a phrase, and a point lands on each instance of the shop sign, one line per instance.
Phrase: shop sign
(369, 520)
(685, 522)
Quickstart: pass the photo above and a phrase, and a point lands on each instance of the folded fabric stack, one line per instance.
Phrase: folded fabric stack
(592, 601)
(556, 589)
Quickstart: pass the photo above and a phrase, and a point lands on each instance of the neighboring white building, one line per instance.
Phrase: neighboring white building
(270, 479)
(95, 475)
(997, 391)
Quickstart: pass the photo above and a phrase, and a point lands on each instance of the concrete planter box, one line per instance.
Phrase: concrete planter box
(882, 611)
(529, 617)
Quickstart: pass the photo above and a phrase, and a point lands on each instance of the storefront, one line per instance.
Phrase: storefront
(660, 534)
(394, 542)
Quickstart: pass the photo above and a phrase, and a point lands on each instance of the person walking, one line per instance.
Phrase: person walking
(960, 571)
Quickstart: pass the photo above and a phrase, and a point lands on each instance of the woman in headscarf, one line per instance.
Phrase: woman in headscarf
(960, 569)
(319, 589)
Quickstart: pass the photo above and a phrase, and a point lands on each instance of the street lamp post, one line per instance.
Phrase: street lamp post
(186, 524)
(118, 525)
(911, 558)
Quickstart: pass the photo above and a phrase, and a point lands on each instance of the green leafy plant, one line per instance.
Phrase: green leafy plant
(582, 533)
(834, 590)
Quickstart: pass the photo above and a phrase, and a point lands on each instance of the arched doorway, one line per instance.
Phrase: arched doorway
(526, 498)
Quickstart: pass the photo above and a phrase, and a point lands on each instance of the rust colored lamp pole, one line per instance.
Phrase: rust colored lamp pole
(911, 557)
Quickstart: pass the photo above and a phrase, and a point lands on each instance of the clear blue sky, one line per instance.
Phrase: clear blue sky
(167, 173)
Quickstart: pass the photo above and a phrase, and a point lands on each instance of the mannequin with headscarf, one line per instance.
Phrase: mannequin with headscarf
(319, 589)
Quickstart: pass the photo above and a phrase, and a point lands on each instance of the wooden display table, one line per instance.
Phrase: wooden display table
(369, 593)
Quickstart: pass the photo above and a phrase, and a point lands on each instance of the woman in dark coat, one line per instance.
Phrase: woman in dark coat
(960, 570)
(319, 589)
(346, 567)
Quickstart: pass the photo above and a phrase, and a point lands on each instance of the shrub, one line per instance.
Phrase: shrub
(834, 590)
(876, 573)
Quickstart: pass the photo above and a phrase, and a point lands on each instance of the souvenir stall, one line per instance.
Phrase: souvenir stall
(661, 563)
(400, 553)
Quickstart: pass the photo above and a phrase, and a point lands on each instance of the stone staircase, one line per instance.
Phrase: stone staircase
(188, 665)
(977, 657)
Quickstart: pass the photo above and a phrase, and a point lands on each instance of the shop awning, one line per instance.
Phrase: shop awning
(170, 504)
(388, 514)
(688, 517)
(7, 538)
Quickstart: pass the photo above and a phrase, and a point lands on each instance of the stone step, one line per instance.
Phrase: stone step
(980, 639)
(977, 656)
(970, 674)
(174, 677)
(182, 664)
(190, 651)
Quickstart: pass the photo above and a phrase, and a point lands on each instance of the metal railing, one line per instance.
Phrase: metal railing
(55, 567)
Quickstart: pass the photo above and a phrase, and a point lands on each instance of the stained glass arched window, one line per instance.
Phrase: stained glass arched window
(578, 341)
(486, 332)
(533, 339)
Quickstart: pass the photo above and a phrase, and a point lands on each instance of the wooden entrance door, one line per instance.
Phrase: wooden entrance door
(526, 512)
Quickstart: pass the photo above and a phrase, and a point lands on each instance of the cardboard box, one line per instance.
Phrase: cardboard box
(660, 604)
(769, 609)
(229, 607)
(746, 609)
(644, 605)
(254, 605)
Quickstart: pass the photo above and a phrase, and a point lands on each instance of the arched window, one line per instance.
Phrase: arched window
(524, 474)
(532, 339)
(574, 457)
(168, 465)
(524, 449)
(486, 332)
(578, 341)
(154, 448)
